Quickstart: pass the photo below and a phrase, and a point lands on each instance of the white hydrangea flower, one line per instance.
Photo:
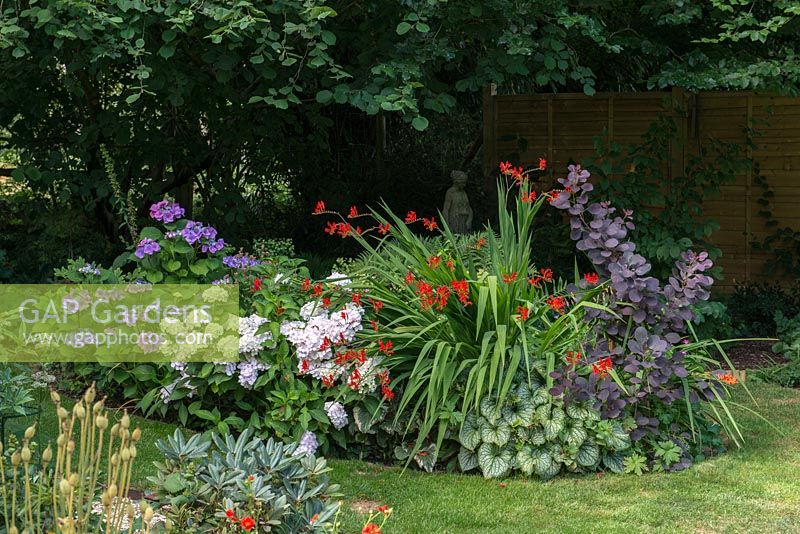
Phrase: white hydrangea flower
(337, 414)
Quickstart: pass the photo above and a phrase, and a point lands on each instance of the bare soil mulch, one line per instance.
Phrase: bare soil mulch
(753, 355)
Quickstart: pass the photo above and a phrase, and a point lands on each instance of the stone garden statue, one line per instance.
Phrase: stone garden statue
(457, 211)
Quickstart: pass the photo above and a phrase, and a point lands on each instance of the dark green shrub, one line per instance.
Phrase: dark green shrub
(752, 307)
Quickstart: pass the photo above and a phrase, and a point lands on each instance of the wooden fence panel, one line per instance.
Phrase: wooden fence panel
(563, 127)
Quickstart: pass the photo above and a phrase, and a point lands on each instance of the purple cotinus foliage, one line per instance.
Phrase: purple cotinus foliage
(650, 316)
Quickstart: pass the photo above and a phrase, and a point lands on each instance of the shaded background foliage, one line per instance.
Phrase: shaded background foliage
(254, 110)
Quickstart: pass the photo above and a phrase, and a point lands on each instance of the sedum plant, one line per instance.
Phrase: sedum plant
(212, 483)
(57, 491)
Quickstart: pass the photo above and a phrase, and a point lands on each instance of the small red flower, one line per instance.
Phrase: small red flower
(505, 167)
(319, 208)
(377, 305)
(509, 277)
(430, 224)
(517, 174)
(303, 366)
(728, 378)
(313, 519)
(231, 515)
(387, 393)
(602, 367)
(557, 303)
(542, 164)
(251, 478)
(409, 278)
(317, 290)
(523, 312)
(355, 379)
(547, 274)
(384, 229)
(385, 347)
(326, 302)
(375, 324)
(433, 262)
(573, 357)
(528, 197)
(480, 243)
(327, 381)
(591, 278)
(306, 285)
(353, 213)
(450, 265)
(344, 229)
(411, 217)
(384, 509)
(371, 528)
(331, 227)
(257, 284)
(248, 523)
(461, 287)
(356, 298)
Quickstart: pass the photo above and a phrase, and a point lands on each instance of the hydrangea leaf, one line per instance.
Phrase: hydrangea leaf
(494, 461)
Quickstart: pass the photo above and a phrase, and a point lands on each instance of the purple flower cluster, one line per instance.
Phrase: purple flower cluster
(651, 317)
(166, 211)
(146, 247)
(195, 231)
(240, 261)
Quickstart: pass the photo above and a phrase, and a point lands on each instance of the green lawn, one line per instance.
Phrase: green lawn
(755, 489)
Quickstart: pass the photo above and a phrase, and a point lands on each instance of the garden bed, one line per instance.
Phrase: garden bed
(754, 355)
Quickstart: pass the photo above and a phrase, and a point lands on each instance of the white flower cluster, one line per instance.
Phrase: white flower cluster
(308, 444)
(250, 341)
(337, 414)
(339, 279)
(316, 337)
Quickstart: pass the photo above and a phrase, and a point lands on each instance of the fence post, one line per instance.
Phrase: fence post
(678, 145)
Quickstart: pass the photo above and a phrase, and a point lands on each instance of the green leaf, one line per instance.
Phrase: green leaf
(44, 15)
(494, 461)
(403, 28)
(469, 436)
(588, 454)
(576, 435)
(422, 27)
(419, 123)
(133, 98)
(467, 459)
(324, 96)
(174, 483)
(526, 459)
(154, 277)
(614, 462)
(498, 433)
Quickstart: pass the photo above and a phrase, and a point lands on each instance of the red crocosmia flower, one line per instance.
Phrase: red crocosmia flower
(383, 377)
(385, 347)
(505, 167)
(557, 303)
(409, 278)
(528, 197)
(411, 217)
(425, 292)
(542, 164)
(319, 208)
(304, 366)
(371, 528)
(442, 294)
(377, 305)
(388, 394)
(591, 278)
(306, 285)
(602, 367)
(358, 230)
(313, 519)
(326, 302)
(430, 224)
(355, 379)
(327, 381)
(384, 509)
(480, 243)
(433, 262)
(384, 229)
(248, 524)
(461, 287)
(523, 312)
(547, 274)
(344, 229)
(257, 284)
(356, 298)
(573, 357)
(375, 324)
(535, 280)
(450, 265)
(517, 174)
(509, 277)
(728, 378)
(353, 213)
(331, 227)
(317, 290)
(231, 515)
(326, 344)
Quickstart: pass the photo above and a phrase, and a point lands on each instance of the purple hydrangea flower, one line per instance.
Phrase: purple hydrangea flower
(308, 444)
(240, 261)
(146, 247)
(166, 211)
(213, 247)
(337, 414)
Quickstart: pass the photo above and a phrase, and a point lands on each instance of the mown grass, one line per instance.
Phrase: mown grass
(754, 489)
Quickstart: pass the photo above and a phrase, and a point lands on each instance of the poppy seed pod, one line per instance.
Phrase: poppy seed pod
(115, 430)
(26, 454)
(132, 451)
(98, 406)
(136, 435)
(168, 524)
(30, 432)
(114, 459)
(73, 479)
(70, 446)
(148, 515)
(112, 490)
(47, 455)
(13, 530)
(15, 459)
(54, 396)
(125, 455)
(125, 421)
(64, 486)
(90, 394)
(62, 438)
(106, 500)
(79, 411)
(62, 413)
(101, 422)
(131, 511)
